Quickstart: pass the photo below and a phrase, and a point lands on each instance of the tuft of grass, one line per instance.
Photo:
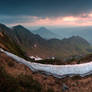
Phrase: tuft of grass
(11, 64)
(22, 83)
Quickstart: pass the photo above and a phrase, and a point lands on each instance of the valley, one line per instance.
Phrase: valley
(36, 45)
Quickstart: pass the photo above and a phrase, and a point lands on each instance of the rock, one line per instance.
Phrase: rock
(65, 87)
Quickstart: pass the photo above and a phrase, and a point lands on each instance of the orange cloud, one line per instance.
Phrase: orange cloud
(70, 19)
(83, 20)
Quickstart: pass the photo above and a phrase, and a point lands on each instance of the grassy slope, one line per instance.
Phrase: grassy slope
(11, 46)
(15, 77)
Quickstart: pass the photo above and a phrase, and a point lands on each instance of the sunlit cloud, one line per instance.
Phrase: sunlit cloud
(84, 19)
(70, 19)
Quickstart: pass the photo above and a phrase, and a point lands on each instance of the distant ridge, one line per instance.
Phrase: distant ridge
(45, 33)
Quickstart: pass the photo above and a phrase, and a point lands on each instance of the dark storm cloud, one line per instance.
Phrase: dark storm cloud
(44, 8)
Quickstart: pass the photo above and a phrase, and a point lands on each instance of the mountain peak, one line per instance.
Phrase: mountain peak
(43, 29)
(18, 26)
(77, 37)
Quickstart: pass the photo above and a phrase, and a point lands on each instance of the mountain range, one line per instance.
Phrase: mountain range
(84, 32)
(60, 33)
(35, 45)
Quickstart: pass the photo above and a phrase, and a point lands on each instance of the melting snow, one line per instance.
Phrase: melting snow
(35, 45)
(58, 71)
(36, 58)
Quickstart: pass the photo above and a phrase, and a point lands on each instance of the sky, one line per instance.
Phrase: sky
(59, 13)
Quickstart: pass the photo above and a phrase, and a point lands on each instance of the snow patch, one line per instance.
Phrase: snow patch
(36, 58)
(58, 71)
(35, 45)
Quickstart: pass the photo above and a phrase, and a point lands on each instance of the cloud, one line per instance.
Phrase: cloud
(46, 12)
(45, 8)
(84, 19)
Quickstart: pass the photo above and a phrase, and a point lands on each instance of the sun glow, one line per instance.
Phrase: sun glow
(70, 19)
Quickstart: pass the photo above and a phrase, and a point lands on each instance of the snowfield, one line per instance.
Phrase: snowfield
(58, 71)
